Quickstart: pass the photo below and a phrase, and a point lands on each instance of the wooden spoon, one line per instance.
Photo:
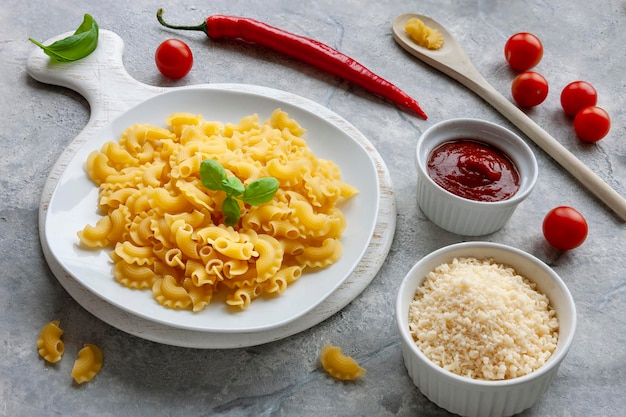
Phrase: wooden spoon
(454, 62)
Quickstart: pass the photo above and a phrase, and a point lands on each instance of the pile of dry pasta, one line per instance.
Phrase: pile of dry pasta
(167, 230)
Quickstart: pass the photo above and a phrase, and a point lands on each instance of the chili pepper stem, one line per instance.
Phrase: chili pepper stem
(202, 27)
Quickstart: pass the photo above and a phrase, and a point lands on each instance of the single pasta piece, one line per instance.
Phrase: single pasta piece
(242, 297)
(88, 364)
(321, 256)
(339, 365)
(133, 275)
(49, 343)
(423, 35)
(169, 293)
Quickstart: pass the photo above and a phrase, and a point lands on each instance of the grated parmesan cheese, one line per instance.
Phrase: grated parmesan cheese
(482, 320)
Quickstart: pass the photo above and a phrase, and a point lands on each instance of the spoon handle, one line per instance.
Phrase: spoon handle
(596, 185)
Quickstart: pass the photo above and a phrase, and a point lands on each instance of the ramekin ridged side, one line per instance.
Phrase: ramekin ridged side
(455, 398)
(464, 217)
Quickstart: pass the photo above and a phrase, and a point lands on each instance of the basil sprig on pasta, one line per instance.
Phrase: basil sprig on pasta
(214, 177)
(77, 46)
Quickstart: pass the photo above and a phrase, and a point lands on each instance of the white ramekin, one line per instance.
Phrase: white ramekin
(470, 397)
(460, 215)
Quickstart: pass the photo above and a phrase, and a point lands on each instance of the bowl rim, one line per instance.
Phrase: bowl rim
(555, 359)
(529, 157)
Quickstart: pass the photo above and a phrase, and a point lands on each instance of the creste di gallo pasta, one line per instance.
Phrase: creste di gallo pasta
(88, 363)
(49, 343)
(167, 232)
(338, 365)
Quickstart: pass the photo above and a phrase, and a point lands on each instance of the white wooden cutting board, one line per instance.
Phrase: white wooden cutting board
(102, 79)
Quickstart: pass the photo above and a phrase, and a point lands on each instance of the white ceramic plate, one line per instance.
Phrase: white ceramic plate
(73, 205)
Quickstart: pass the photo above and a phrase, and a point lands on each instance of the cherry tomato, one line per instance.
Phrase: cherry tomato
(565, 228)
(523, 51)
(592, 123)
(173, 58)
(529, 89)
(576, 95)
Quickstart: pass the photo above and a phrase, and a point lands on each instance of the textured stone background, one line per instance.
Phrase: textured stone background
(582, 40)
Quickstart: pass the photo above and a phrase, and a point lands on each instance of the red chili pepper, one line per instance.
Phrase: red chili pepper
(310, 51)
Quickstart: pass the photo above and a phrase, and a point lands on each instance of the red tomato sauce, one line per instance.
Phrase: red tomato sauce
(474, 170)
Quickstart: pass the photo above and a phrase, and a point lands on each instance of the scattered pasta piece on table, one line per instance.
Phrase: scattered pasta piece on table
(88, 364)
(338, 365)
(49, 342)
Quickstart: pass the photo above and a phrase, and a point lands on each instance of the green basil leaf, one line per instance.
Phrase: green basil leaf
(82, 43)
(260, 191)
(233, 186)
(212, 174)
(214, 177)
(231, 211)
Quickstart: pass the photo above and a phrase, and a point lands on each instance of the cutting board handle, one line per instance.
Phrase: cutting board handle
(108, 96)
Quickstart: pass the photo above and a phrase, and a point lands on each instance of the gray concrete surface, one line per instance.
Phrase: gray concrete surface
(582, 40)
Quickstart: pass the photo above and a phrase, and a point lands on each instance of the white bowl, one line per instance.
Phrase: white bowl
(460, 215)
(471, 397)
